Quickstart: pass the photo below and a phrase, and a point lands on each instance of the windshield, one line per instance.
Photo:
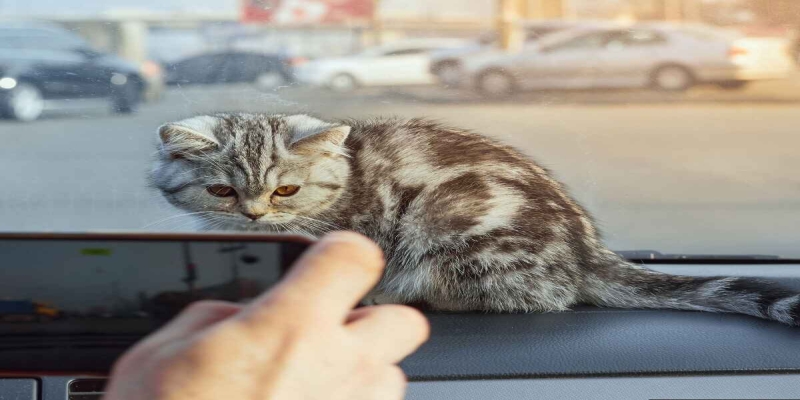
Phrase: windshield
(677, 136)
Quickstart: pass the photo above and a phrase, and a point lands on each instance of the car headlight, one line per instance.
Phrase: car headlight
(8, 83)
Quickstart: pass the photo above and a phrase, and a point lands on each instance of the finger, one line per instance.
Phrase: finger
(390, 332)
(329, 279)
(357, 314)
(196, 317)
(389, 384)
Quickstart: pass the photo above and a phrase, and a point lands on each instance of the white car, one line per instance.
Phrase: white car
(665, 56)
(400, 63)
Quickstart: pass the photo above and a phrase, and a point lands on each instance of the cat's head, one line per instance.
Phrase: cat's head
(252, 171)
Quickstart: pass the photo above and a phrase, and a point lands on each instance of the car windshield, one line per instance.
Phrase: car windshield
(675, 124)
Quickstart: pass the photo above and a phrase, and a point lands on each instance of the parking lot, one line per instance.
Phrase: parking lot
(708, 171)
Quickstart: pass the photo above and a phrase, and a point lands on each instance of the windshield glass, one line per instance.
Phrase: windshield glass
(673, 144)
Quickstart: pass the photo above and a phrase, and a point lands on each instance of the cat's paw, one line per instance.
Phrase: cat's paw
(374, 299)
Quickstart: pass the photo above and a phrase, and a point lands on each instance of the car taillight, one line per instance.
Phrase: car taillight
(295, 61)
(150, 69)
(736, 51)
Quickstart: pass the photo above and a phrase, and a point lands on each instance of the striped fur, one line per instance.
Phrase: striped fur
(466, 223)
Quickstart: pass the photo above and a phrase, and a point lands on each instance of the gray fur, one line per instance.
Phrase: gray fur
(466, 223)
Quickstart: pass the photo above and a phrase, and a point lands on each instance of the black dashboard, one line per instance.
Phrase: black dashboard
(587, 353)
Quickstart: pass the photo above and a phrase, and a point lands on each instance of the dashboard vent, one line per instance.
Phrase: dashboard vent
(86, 389)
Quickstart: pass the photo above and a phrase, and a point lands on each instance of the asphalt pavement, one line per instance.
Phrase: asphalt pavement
(708, 171)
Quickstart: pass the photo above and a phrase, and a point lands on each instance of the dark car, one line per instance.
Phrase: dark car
(43, 66)
(264, 70)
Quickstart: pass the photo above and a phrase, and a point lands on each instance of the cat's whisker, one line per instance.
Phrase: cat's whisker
(319, 222)
(189, 172)
(215, 224)
(218, 221)
(213, 162)
(202, 219)
(176, 216)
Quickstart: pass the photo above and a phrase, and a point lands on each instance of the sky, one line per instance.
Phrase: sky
(89, 7)
(399, 8)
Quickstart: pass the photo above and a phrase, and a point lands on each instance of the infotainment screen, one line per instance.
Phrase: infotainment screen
(107, 284)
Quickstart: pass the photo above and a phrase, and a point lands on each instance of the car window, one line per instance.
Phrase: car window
(635, 38)
(243, 67)
(593, 40)
(199, 69)
(406, 52)
(533, 34)
(709, 34)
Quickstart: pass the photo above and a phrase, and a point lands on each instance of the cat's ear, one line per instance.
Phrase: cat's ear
(189, 136)
(327, 139)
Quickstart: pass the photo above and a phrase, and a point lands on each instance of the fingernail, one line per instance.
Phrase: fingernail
(352, 238)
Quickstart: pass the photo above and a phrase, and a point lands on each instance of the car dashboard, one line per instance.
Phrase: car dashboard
(586, 353)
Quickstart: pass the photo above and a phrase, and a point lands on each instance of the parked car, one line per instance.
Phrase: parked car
(44, 66)
(264, 70)
(666, 56)
(404, 62)
(27, 310)
(446, 64)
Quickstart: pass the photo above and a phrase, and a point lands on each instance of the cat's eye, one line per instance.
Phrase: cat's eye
(221, 191)
(286, 191)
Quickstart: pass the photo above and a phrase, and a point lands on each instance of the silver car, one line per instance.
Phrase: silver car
(662, 55)
(445, 63)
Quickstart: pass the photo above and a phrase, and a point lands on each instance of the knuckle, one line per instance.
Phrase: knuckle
(223, 339)
(278, 309)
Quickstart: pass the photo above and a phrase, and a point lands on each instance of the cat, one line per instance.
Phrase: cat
(466, 223)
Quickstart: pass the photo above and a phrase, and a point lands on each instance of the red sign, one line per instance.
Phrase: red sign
(298, 12)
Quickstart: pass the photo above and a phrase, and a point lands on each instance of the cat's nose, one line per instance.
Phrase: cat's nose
(253, 216)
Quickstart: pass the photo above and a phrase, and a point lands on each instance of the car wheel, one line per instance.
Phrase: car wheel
(673, 78)
(343, 83)
(496, 84)
(126, 98)
(268, 80)
(25, 103)
(733, 85)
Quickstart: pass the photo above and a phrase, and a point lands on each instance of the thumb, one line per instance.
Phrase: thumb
(330, 278)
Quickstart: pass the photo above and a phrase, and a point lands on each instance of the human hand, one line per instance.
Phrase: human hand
(300, 340)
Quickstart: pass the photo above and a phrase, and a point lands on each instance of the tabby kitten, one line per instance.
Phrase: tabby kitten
(466, 223)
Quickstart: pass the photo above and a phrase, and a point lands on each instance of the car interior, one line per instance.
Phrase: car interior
(82, 320)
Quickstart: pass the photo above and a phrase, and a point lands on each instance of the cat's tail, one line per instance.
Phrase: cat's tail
(625, 285)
